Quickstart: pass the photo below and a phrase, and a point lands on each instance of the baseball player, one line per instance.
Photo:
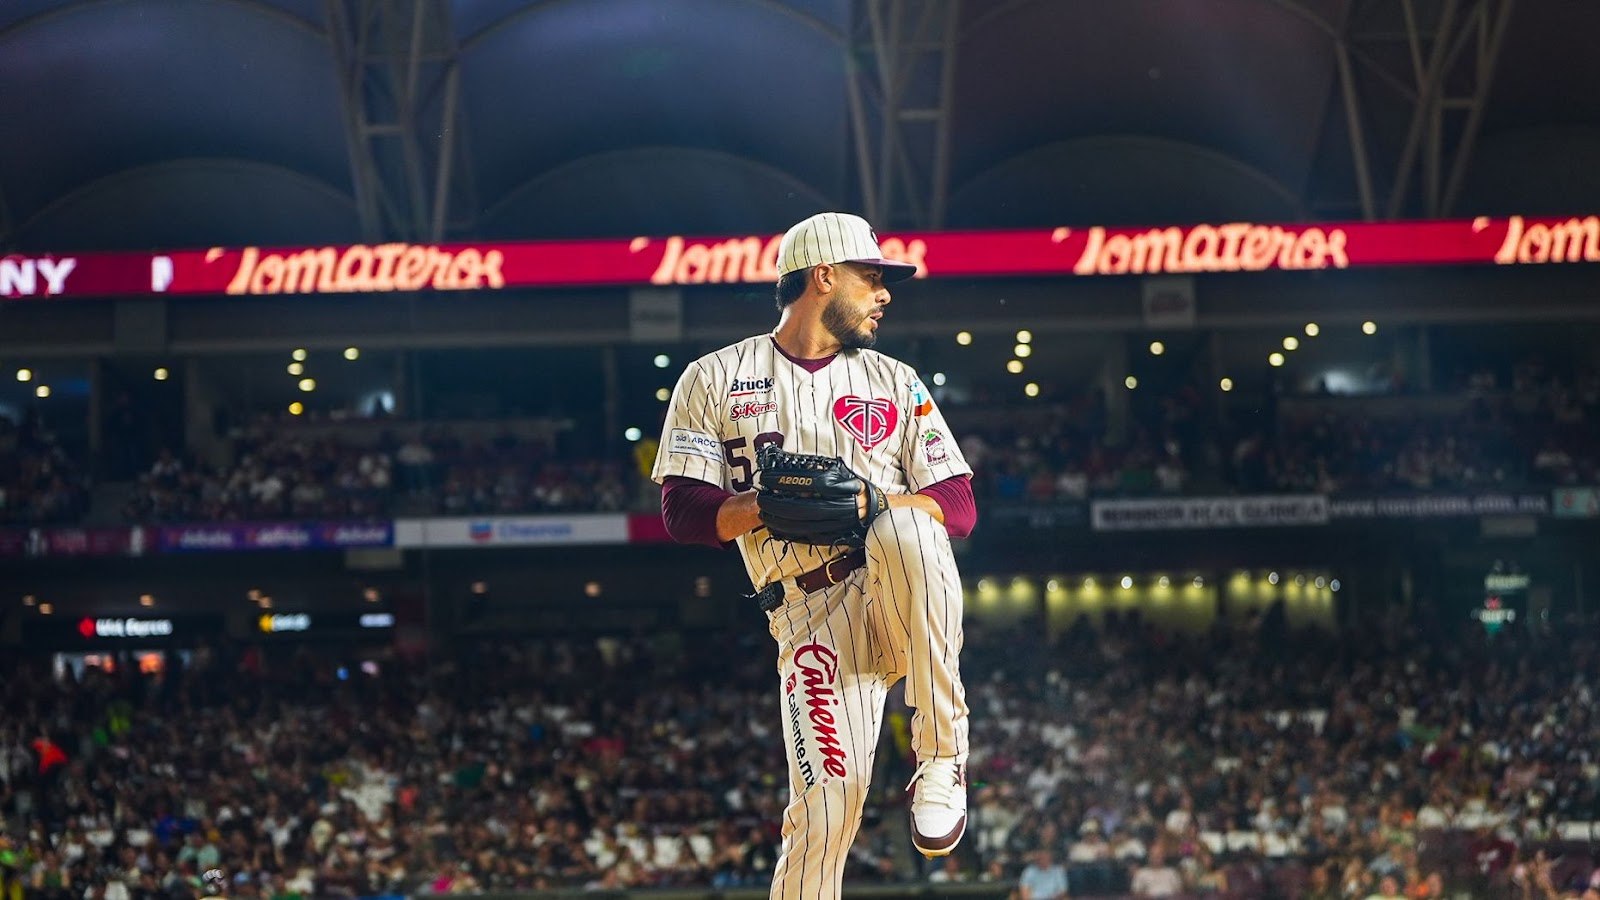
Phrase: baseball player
(830, 467)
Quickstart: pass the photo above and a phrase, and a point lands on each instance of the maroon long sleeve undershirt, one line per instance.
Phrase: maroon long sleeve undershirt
(689, 507)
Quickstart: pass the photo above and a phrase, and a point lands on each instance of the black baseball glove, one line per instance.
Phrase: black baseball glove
(810, 499)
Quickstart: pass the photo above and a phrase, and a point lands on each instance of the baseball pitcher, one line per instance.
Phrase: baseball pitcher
(830, 467)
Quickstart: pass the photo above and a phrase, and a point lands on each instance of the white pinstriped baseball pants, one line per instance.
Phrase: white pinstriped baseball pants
(839, 651)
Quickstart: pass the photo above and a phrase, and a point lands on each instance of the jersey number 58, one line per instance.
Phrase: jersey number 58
(742, 461)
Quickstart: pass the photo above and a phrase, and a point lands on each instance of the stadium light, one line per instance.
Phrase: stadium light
(1157, 348)
(296, 408)
(42, 391)
(1226, 384)
(352, 353)
(1275, 360)
(1014, 367)
(297, 369)
(1127, 582)
(308, 384)
(1369, 327)
(662, 360)
(147, 600)
(1291, 343)
(1130, 382)
(29, 600)
(1031, 389)
(938, 379)
(162, 374)
(663, 394)
(1022, 350)
(1024, 336)
(24, 374)
(299, 355)
(964, 338)
(633, 435)
(46, 609)
(1312, 330)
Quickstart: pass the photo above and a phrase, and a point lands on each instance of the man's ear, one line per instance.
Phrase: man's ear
(823, 278)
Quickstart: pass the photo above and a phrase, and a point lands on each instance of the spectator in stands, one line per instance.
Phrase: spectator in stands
(949, 871)
(1043, 879)
(1388, 889)
(1156, 878)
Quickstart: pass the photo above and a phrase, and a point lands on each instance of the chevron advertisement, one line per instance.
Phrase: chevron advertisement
(512, 531)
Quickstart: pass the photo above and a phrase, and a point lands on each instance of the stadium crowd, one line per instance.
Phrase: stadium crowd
(1247, 762)
(1543, 434)
(288, 476)
(1529, 430)
(40, 484)
(282, 474)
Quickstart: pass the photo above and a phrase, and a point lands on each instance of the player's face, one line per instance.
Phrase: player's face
(856, 305)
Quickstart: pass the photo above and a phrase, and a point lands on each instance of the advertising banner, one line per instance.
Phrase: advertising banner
(1440, 506)
(313, 624)
(1260, 511)
(1577, 502)
(679, 260)
(513, 531)
(71, 542)
(114, 631)
(231, 536)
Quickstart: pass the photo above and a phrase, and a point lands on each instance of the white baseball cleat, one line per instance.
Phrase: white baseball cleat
(938, 806)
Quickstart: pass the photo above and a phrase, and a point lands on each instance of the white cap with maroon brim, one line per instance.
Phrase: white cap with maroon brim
(835, 238)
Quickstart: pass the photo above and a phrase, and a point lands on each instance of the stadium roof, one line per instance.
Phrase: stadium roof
(141, 123)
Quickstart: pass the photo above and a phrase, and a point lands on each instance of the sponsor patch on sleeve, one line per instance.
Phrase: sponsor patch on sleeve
(694, 443)
(921, 401)
(933, 447)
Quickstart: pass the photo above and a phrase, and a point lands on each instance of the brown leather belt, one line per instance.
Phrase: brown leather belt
(829, 573)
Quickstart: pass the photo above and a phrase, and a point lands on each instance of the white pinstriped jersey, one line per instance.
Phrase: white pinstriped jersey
(866, 408)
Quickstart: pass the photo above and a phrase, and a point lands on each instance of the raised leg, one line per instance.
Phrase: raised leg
(832, 697)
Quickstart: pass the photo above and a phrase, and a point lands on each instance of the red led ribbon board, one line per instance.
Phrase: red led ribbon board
(677, 260)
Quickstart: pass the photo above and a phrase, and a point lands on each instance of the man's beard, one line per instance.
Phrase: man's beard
(850, 336)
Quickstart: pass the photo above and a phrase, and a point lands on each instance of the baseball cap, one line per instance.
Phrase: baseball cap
(834, 237)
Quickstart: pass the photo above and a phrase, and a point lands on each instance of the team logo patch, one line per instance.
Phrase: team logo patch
(750, 409)
(933, 449)
(921, 402)
(869, 421)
